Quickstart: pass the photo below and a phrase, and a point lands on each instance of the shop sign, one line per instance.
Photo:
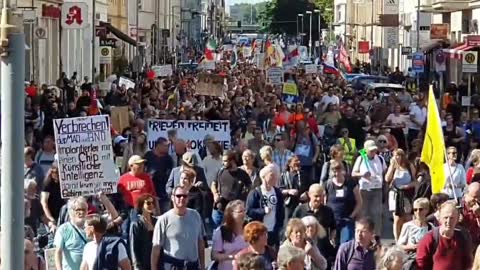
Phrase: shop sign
(74, 15)
(51, 11)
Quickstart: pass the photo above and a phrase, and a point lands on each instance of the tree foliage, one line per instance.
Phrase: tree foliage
(281, 17)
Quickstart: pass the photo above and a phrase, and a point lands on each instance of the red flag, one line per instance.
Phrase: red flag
(93, 108)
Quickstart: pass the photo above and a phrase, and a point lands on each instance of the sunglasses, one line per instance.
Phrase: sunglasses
(148, 202)
(452, 153)
(417, 209)
(181, 196)
(382, 141)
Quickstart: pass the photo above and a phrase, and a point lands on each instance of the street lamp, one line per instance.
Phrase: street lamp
(319, 32)
(310, 35)
(301, 34)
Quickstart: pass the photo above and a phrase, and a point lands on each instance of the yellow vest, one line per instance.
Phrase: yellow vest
(349, 152)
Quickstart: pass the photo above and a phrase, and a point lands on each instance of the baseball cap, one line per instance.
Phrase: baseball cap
(135, 159)
(370, 145)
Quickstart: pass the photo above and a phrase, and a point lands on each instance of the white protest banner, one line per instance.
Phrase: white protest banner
(127, 82)
(207, 65)
(311, 69)
(192, 132)
(275, 75)
(163, 71)
(85, 156)
(247, 52)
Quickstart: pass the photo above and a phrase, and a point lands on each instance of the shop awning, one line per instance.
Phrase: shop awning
(433, 45)
(456, 52)
(118, 33)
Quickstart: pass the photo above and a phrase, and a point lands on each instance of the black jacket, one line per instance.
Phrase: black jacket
(256, 207)
(140, 240)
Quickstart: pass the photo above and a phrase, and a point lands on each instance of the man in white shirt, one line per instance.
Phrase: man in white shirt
(330, 98)
(95, 228)
(418, 116)
(371, 171)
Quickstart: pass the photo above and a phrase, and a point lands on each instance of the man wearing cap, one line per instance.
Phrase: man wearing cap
(371, 170)
(136, 182)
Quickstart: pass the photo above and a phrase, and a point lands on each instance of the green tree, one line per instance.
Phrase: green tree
(280, 17)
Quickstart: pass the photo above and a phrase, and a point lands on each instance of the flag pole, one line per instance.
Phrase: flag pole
(450, 174)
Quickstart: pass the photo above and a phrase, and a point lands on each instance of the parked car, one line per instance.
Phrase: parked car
(359, 83)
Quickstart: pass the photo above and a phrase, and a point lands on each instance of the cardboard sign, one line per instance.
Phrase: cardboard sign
(260, 60)
(127, 82)
(120, 118)
(290, 93)
(85, 156)
(210, 85)
(50, 259)
(193, 132)
(311, 69)
(163, 71)
(275, 75)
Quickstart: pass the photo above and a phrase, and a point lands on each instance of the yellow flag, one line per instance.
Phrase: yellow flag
(433, 152)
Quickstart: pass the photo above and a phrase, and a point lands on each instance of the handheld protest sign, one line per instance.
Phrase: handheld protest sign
(85, 156)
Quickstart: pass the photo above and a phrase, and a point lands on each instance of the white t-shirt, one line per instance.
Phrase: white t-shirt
(376, 167)
(270, 199)
(419, 114)
(90, 253)
(329, 100)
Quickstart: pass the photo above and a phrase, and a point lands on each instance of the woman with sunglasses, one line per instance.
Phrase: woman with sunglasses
(51, 197)
(455, 174)
(141, 232)
(414, 230)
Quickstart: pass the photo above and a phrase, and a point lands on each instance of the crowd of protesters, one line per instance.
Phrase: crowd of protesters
(292, 192)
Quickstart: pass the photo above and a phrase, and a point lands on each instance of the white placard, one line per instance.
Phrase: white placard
(85, 156)
(247, 52)
(311, 69)
(275, 75)
(127, 82)
(193, 132)
(163, 71)
(207, 65)
(466, 101)
(260, 60)
(50, 259)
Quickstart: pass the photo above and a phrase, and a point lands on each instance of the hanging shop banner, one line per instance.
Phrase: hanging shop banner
(74, 15)
(470, 62)
(192, 132)
(85, 156)
(439, 31)
(418, 62)
(440, 61)
(363, 46)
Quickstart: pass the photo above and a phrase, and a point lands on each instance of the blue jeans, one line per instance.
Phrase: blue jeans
(217, 218)
(346, 230)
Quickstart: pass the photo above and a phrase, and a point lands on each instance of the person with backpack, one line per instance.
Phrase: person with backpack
(104, 252)
(445, 247)
(370, 171)
(358, 253)
(471, 212)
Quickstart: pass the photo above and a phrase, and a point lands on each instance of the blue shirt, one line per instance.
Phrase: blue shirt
(71, 242)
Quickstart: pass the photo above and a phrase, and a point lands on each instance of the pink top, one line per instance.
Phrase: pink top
(225, 247)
